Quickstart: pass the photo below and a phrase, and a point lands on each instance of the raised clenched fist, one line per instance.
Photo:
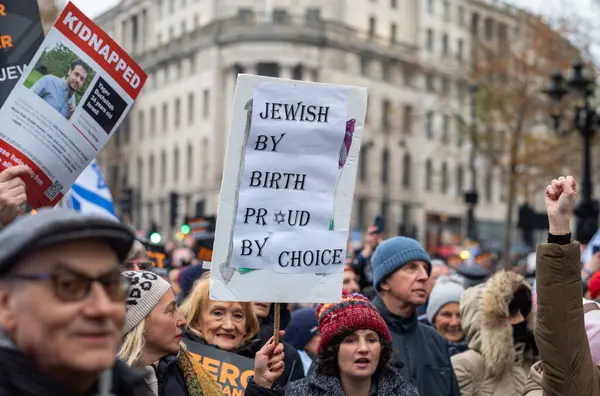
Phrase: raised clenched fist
(561, 195)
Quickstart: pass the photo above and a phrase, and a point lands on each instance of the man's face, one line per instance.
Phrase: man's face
(64, 336)
(374, 238)
(76, 77)
(409, 283)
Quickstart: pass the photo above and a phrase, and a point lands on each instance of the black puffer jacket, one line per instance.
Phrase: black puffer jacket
(390, 383)
(19, 376)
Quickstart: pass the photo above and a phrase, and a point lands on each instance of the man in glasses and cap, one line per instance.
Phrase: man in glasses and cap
(62, 306)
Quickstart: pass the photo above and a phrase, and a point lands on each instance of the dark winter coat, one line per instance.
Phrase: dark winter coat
(293, 363)
(421, 354)
(19, 376)
(170, 378)
(390, 383)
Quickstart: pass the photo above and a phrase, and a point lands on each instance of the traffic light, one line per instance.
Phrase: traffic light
(174, 206)
(127, 202)
(185, 229)
(154, 235)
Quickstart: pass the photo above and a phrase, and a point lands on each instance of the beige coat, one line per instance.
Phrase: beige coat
(533, 387)
(493, 365)
(560, 330)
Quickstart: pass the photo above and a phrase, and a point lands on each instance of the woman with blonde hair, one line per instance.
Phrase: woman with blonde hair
(231, 326)
(152, 340)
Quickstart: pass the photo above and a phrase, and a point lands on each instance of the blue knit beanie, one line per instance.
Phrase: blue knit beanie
(302, 328)
(393, 254)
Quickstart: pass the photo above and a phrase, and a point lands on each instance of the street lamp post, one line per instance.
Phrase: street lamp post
(471, 197)
(585, 120)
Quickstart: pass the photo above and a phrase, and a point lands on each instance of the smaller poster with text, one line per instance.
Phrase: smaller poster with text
(70, 100)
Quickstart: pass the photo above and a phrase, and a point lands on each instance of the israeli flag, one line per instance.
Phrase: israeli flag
(90, 194)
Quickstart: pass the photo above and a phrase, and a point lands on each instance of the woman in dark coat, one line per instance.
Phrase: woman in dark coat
(354, 352)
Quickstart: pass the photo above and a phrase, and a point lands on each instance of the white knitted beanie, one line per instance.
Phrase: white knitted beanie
(145, 292)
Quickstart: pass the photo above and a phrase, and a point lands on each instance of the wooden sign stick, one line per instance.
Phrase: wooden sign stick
(276, 323)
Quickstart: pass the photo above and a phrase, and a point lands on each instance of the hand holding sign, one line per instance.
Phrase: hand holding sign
(268, 363)
(12, 193)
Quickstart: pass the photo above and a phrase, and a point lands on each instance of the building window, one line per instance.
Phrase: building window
(445, 46)
(177, 112)
(459, 180)
(386, 110)
(152, 121)
(298, 73)
(176, 164)
(406, 170)
(269, 69)
(190, 161)
(372, 27)
(361, 206)
(430, 83)
(165, 117)
(428, 175)
(431, 6)
(205, 103)
(444, 178)
(151, 170)
(190, 108)
(489, 28)
(280, 15)
(394, 3)
(172, 7)
(363, 164)
(408, 119)
(163, 167)
(245, 15)
(445, 86)
(446, 10)
(461, 16)
(460, 50)
(429, 40)
(183, 28)
(446, 128)
(503, 180)
(364, 66)
(140, 173)
(393, 29)
(385, 164)
(313, 16)
(460, 131)
(429, 125)
(385, 71)
(134, 31)
(141, 125)
(489, 183)
(171, 33)
(475, 24)
(384, 213)
(196, 21)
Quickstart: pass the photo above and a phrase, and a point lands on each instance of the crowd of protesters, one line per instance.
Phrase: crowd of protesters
(83, 312)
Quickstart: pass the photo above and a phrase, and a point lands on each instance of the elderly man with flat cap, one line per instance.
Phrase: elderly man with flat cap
(62, 306)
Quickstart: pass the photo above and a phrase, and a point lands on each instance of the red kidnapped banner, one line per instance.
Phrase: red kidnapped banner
(101, 48)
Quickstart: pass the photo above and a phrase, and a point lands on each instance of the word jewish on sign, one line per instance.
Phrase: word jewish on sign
(21, 34)
(290, 174)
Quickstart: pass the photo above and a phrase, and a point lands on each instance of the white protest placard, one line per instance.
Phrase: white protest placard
(287, 189)
(77, 89)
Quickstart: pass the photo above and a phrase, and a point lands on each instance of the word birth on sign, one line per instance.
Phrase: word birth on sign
(289, 178)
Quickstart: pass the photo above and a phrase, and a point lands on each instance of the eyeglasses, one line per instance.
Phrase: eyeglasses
(71, 286)
(137, 266)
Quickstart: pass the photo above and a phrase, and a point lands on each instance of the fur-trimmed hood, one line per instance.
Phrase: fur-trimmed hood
(484, 311)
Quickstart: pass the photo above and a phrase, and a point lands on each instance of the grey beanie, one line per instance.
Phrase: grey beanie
(448, 289)
(145, 292)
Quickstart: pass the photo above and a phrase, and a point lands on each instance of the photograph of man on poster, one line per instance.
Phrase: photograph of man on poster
(60, 78)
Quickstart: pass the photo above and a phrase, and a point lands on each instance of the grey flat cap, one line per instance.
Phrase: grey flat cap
(49, 227)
